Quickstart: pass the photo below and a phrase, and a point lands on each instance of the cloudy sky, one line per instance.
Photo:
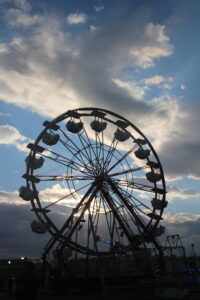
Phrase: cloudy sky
(139, 59)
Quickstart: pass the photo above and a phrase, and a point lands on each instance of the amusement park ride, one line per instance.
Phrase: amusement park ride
(96, 185)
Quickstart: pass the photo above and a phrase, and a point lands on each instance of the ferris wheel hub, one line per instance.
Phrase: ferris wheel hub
(104, 176)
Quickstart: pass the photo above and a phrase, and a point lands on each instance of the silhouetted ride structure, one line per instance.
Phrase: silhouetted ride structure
(97, 186)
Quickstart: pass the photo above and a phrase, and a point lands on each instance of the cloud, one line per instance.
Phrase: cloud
(15, 229)
(136, 91)
(47, 196)
(76, 18)
(188, 228)
(15, 221)
(10, 198)
(174, 192)
(18, 18)
(16, 217)
(156, 80)
(67, 70)
(159, 81)
(183, 87)
(166, 86)
(93, 28)
(175, 136)
(5, 114)
(98, 8)
(9, 135)
(56, 192)
(22, 4)
(155, 44)
(180, 144)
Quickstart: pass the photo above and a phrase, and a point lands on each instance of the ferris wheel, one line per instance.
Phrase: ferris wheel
(95, 183)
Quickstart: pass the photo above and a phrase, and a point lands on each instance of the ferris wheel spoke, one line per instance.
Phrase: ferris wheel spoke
(63, 177)
(67, 162)
(95, 154)
(128, 217)
(100, 138)
(82, 162)
(136, 207)
(90, 155)
(94, 220)
(112, 226)
(117, 215)
(115, 188)
(98, 144)
(86, 143)
(106, 216)
(122, 207)
(115, 230)
(94, 209)
(88, 235)
(130, 198)
(136, 185)
(95, 247)
(74, 150)
(110, 219)
(129, 171)
(61, 158)
(102, 150)
(98, 149)
(98, 211)
(123, 157)
(66, 196)
(110, 153)
(93, 205)
(78, 212)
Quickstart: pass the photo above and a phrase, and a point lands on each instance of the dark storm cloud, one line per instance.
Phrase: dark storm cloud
(180, 152)
(189, 232)
(16, 236)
